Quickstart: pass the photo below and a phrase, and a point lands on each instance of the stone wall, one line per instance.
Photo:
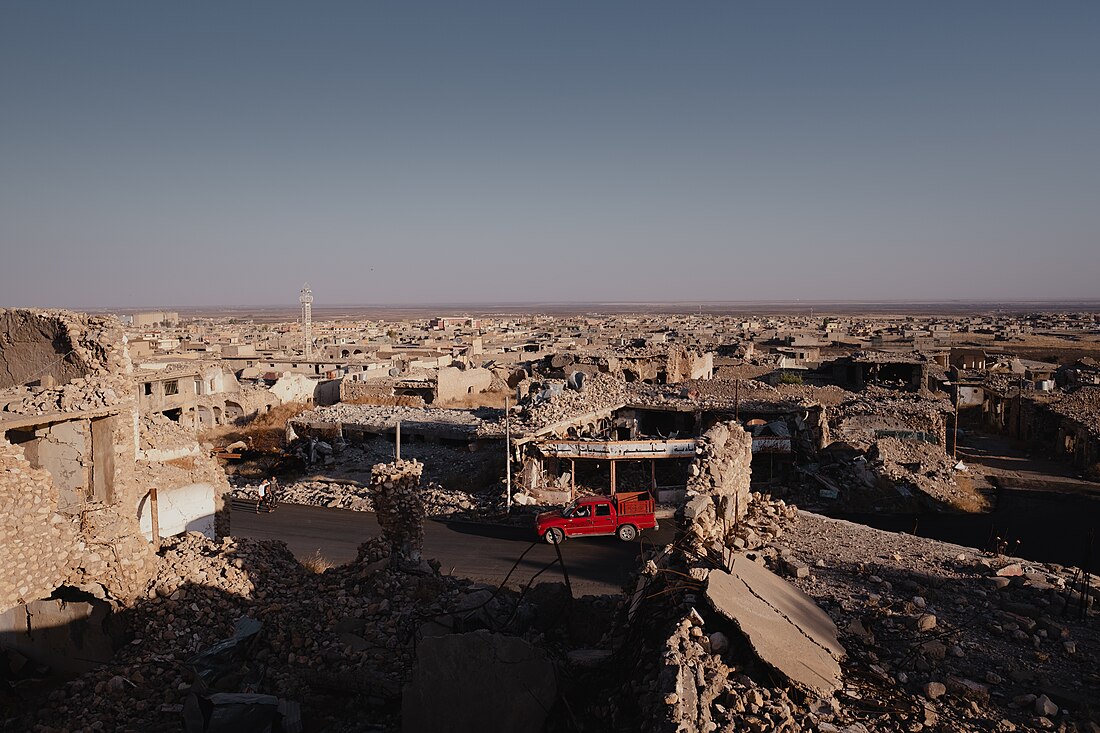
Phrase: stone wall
(42, 547)
(454, 386)
(35, 541)
(56, 347)
(399, 506)
(684, 364)
(718, 488)
(70, 487)
(376, 392)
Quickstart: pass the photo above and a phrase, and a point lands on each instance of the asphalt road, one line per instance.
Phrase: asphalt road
(480, 552)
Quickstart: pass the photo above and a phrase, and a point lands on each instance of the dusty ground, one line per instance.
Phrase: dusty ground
(995, 643)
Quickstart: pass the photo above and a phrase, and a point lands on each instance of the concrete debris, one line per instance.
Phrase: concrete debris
(898, 475)
(158, 433)
(930, 619)
(784, 627)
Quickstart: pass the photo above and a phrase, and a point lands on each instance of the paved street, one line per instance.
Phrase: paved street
(1004, 463)
(479, 552)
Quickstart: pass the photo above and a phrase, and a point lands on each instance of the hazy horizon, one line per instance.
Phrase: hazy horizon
(274, 312)
(397, 154)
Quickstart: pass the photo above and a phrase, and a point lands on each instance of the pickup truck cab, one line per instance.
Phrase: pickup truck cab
(624, 515)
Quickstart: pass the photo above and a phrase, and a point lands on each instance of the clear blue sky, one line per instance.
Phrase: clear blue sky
(158, 154)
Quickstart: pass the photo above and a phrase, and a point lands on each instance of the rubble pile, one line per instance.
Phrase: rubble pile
(79, 395)
(863, 418)
(704, 675)
(924, 466)
(949, 638)
(600, 392)
(160, 433)
(700, 689)
(936, 637)
(895, 475)
(482, 422)
(763, 523)
(341, 643)
(438, 500)
(1082, 405)
(399, 506)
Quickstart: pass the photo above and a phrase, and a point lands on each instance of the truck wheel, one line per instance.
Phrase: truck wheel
(627, 533)
(554, 536)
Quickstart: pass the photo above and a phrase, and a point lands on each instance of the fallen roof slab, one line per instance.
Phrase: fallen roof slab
(783, 625)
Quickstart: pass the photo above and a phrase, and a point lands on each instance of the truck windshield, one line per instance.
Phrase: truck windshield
(569, 509)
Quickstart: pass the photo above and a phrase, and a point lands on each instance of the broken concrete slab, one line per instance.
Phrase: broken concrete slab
(461, 680)
(784, 626)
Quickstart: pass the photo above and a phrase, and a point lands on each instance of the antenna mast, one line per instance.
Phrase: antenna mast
(306, 299)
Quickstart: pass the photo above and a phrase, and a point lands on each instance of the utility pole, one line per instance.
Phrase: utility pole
(397, 441)
(737, 399)
(955, 440)
(154, 518)
(507, 458)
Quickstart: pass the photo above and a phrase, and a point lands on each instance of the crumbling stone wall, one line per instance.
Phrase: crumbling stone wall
(376, 392)
(56, 347)
(42, 548)
(35, 541)
(399, 505)
(684, 364)
(718, 488)
(74, 472)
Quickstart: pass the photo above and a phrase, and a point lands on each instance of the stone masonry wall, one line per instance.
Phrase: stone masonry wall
(35, 541)
(718, 488)
(42, 548)
(59, 346)
(399, 505)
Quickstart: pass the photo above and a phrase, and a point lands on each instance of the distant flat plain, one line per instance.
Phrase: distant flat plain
(321, 312)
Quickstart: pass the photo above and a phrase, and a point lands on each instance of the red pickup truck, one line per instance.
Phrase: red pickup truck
(624, 515)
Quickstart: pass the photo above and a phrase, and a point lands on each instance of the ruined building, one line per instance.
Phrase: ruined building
(77, 463)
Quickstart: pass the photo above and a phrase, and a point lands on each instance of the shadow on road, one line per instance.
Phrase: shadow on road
(497, 531)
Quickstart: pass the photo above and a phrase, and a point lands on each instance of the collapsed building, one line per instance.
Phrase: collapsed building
(650, 365)
(442, 387)
(907, 371)
(634, 437)
(760, 617)
(80, 473)
(1065, 425)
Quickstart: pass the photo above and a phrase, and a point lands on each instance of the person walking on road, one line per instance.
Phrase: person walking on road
(262, 490)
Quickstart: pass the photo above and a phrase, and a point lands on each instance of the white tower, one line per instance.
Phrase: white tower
(306, 299)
